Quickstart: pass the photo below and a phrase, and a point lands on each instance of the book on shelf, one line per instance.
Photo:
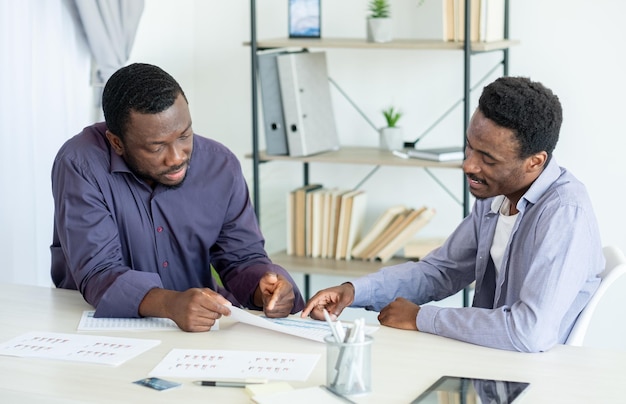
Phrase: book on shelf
(314, 222)
(333, 222)
(385, 237)
(418, 248)
(299, 217)
(492, 20)
(379, 226)
(437, 154)
(415, 221)
(486, 20)
(291, 223)
(345, 219)
(326, 216)
(356, 220)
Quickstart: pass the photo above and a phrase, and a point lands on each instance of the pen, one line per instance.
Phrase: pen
(229, 383)
(332, 326)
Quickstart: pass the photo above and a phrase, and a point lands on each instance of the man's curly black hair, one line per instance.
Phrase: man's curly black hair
(139, 87)
(531, 110)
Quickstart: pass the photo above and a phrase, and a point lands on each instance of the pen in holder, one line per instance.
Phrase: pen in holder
(348, 364)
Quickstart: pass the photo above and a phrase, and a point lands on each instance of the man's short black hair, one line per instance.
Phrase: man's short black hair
(139, 87)
(531, 110)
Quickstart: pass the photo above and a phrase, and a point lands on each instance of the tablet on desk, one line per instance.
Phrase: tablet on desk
(451, 389)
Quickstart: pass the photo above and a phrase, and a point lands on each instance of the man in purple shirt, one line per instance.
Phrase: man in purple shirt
(144, 208)
(531, 242)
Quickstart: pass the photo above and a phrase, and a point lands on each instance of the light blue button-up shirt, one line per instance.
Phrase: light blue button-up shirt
(549, 271)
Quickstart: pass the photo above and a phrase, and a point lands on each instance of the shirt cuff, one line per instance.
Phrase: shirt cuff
(123, 297)
(361, 292)
(426, 318)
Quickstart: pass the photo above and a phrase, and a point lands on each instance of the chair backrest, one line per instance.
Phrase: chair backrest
(614, 269)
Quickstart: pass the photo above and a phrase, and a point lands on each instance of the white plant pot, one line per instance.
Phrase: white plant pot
(379, 30)
(391, 138)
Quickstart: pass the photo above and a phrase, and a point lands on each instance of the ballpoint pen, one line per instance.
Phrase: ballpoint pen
(229, 383)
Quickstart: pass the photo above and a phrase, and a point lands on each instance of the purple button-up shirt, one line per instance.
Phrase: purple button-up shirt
(115, 237)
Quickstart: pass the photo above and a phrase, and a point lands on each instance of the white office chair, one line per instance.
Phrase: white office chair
(614, 270)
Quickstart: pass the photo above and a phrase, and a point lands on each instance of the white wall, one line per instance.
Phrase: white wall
(573, 46)
(577, 53)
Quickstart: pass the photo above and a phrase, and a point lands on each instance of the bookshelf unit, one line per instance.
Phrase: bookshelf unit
(361, 155)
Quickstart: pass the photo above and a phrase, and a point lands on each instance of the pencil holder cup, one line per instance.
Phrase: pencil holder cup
(349, 366)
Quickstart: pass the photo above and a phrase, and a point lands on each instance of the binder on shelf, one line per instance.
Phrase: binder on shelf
(271, 103)
(307, 106)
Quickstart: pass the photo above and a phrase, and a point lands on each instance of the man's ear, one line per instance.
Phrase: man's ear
(116, 142)
(537, 161)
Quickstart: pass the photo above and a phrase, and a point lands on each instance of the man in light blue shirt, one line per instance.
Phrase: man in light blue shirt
(531, 242)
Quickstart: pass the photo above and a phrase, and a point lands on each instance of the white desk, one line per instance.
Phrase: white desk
(404, 362)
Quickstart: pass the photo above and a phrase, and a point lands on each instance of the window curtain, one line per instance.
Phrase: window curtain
(110, 27)
(44, 100)
(46, 52)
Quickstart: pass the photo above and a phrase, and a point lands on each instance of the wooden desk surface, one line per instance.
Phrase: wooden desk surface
(405, 363)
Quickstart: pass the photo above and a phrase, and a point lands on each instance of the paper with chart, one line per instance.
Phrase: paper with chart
(300, 327)
(226, 364)
(76, 347)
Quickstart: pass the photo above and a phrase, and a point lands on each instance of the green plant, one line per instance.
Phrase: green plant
(392, 115)
(378, 8)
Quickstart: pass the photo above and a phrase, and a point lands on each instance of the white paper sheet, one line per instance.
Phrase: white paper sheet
(76, 347)
(89, 323)
(226, 364)
(300, 327)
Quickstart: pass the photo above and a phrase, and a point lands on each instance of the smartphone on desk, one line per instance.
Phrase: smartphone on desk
(452, 389)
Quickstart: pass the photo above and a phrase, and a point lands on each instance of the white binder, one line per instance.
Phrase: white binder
(307, 106)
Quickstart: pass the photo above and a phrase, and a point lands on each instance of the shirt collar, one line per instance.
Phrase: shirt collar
(536, 190)
(117, 162)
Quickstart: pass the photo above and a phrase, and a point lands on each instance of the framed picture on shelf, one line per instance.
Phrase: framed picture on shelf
(304, 18)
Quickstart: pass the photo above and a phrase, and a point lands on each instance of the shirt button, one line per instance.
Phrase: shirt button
(165, 264)
(159, 229)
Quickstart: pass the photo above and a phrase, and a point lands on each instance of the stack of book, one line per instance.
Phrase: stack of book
(324, 223)
(391, 232)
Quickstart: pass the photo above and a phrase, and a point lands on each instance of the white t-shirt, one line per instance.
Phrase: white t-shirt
(503, 230)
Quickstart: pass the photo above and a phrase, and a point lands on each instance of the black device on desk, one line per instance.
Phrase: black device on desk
(451, 389)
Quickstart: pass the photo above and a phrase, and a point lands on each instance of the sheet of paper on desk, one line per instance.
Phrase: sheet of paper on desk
(227, 364)
(300, 327)
(76, 347)
(90, 323)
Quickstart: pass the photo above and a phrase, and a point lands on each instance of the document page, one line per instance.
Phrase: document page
(300, 327)
(75, 347)
(227, 364)
(90, 323)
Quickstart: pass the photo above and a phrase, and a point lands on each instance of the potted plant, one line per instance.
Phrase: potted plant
(391, 136)
(379, 28)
